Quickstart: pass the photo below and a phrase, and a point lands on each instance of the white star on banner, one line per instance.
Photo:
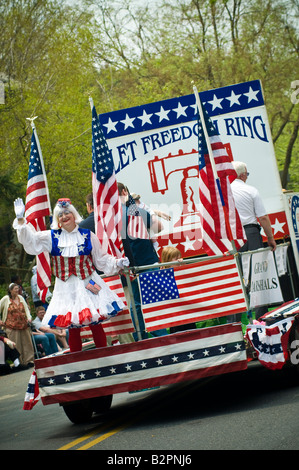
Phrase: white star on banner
(188, 244)
(216, 102)
(111, 126)
(180, 110)
(163, 114)
(233, 99)
(278, 226)
(251, 95)
(145, 118)
(128, 122)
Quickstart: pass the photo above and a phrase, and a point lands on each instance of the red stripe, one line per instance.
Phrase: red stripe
(147, 383)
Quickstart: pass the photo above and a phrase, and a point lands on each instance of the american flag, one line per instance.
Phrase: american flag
(136, 225)
(133, 366)
(37, 207)
(220, 220)
(190, 293)
(32, 394)
(271, 342)
(107, 205)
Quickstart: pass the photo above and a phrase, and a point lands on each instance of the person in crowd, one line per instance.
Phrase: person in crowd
(8, 352)
(60, 334)
(16, 318)
(46, 340)
(251, 210)
(80, 296)
(253, 216)
(168, 254)
(35, 297)
(16, 279)
(141, 252)
(89, 221)
(153, 213)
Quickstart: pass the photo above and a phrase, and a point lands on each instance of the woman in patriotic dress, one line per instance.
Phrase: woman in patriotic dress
(80, 296)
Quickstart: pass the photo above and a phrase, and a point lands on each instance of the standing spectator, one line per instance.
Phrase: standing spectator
(253, 216)
(17, 280)
(16, 318)
(140, 253)
(9, 353)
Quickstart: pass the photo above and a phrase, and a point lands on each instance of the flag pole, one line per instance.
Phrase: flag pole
(200, 110)
(41, 159)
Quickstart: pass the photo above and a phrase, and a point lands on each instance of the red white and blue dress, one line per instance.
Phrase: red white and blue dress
(75, 256)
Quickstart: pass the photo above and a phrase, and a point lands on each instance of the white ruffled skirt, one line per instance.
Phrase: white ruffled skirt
(72, 305)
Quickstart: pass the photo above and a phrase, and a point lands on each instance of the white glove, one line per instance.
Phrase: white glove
(122, 262)
(19, 208)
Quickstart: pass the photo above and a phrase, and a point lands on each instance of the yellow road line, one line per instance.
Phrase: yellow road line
(187, 386)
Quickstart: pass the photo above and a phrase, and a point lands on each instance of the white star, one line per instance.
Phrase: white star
(191, 356)
(251, 95)
(82, 376)
(238, 346)
(112, 370)
(206, 353)
(216, 102)
(233, 99)
(145, 118)
(163, 114)
(128, 122)
(159, 362)
(97, 373)
(180, 110)
(278, 226)
(110, 126)
(174, 359)
(128, 367)
(51, 381)
(188, 244)
(222, 349)
(67, 378)
(143, 365)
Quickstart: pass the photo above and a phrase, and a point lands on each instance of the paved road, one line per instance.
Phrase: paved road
(253, 409)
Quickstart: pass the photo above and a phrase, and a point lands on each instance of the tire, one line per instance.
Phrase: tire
(101, 404)
(78, 412)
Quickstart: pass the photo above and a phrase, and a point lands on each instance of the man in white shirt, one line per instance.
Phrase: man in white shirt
(251, 209)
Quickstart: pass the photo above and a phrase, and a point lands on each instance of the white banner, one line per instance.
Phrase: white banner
(155, 152)
(245, 260)
(281, 259)
(265, 287)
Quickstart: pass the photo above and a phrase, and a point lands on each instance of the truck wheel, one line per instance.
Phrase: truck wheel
(78, 412)
(101, 404)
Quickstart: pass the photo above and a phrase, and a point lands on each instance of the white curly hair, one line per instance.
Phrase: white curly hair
(64, 204)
